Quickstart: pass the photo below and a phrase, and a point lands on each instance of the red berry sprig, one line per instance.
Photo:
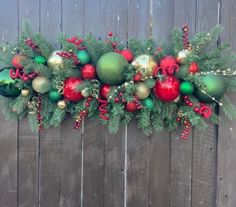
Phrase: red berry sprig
(69, 55)
(82, 114)
(185, 30)
(39, 109)
(31, 44)
(113, 44)
(77, 42)
(187, 125)
(137, 103)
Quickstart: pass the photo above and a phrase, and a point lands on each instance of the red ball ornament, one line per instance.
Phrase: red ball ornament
(70, 91)
(105, 90)
(88, 71)
(17, 61)
(167, 90)
(167, 61)
(127, 54)
(131, 106)
(193, 68)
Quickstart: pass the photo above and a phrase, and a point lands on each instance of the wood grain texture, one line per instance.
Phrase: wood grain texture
(181, 150)
(226, 186)
(50, 140)
(8, 137)
(204, 142)
(71, 157)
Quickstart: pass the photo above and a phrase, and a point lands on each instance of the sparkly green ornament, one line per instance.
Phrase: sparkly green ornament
(215, 87)
(83, 57)
(39, 59)
(7, 84)
(186, 88)
(111, 67)
(54, 95)
(148, 103)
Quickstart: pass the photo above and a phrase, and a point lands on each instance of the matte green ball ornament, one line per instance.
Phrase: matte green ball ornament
(41, 84)
(186, 88)
(54, 95)
(215, 87)
(83, 57)
(111, 67)
(7, 84)
(39, 59)
(148, 103)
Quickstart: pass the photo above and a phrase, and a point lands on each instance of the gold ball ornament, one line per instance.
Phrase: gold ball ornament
(41, 84)
(142, 91)
(144, 64)
(55, 62)
(61, 104)
(85, 92)
(182, 55)
(25, 92)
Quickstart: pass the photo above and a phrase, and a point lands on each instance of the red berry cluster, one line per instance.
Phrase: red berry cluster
(137, 103)
(137, 77)
(185, 30)
(82, 113)
(113, 44)
(31, 44)
(134, 105)
(119, 98)
(69, 55)
(39, 109)
(187, 125)
(202, 109)
(77, 42)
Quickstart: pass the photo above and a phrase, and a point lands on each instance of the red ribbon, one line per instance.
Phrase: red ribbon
(19, 73)
(205, 111)
(167, 70)
(103, 109)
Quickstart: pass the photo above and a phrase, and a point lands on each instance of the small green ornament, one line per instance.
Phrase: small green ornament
(186, 88)
(83, 57)
(39, 59)
(148, 103)
(7, 84)
(111, 67)
(54, 95)
(215, 87)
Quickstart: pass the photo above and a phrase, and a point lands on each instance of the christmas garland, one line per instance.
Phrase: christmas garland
(162, 86)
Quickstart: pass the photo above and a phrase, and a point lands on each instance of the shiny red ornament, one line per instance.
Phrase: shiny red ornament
(88, 71)
(70, 91)
(167, 90)
(17, 61)
(131, 106)
(193, 68)
(127, 54)
(105, 90)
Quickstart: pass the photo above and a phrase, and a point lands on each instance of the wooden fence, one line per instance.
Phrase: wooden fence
(62, 167)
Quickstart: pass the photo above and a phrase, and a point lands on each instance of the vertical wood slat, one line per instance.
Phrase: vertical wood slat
(181, 150)
(28, 194)
(159, 152)
(204, 143)
(226, 186)
(9, 130)
(50, 140)
(137, 142)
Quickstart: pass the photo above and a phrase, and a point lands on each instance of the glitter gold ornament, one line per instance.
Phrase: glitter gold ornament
(55, 62)
(41, 84)
(85, 92)
(145, 65)
(25, 92)
(61, 104)
(182, 55)
(142, 91)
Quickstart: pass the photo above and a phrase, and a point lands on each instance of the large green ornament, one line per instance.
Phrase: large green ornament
(148, 103)
(39, 59)
(54, 95)
(111, 67)
(215, 87)
(41, 84)
(83, 57)
(186, 88)
(7, 84)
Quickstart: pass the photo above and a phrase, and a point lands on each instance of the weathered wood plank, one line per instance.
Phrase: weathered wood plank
(204, 143)
(50, 140)
(71, 157)
(181, 150)
(159, 155)
(115, 21)
(28, 194)
(226, 165)
(8, 136)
